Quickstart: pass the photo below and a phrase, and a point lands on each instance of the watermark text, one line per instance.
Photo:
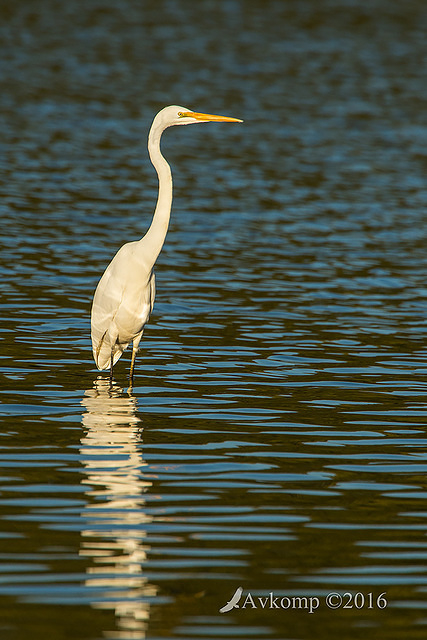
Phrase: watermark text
(333, 600)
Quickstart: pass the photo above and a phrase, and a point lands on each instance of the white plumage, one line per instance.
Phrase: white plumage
(121, 306)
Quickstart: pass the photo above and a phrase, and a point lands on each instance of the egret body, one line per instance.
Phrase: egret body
(124, 296)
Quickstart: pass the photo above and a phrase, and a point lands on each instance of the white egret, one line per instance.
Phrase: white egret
(124, 296)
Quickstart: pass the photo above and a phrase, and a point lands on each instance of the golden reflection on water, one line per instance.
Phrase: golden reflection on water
(115, 538)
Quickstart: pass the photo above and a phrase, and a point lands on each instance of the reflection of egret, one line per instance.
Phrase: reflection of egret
(124, 296)
(114, 513)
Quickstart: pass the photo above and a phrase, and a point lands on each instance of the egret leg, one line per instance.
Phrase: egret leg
(111, 366)
(132, 366)
(132, 362)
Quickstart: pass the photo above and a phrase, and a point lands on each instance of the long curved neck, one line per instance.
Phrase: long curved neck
(156, 234)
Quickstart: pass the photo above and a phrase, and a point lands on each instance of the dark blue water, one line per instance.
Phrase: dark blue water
(274, 439)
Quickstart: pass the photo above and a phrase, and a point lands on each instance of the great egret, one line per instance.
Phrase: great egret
(124, 296)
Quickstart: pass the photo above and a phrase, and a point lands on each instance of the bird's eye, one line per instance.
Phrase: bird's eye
(180, 114)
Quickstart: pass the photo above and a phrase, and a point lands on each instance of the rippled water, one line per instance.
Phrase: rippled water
(275, 436)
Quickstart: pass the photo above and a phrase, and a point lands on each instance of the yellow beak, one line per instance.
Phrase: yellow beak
(207, 117)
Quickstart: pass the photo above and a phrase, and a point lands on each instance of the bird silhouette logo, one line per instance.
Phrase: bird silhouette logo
(232, 603)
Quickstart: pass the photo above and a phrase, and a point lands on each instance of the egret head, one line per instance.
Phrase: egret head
(176, 115)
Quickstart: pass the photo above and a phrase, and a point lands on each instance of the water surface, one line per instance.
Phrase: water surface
(275, 435)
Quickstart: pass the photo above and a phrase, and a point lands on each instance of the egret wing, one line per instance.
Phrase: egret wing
(122, 304)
